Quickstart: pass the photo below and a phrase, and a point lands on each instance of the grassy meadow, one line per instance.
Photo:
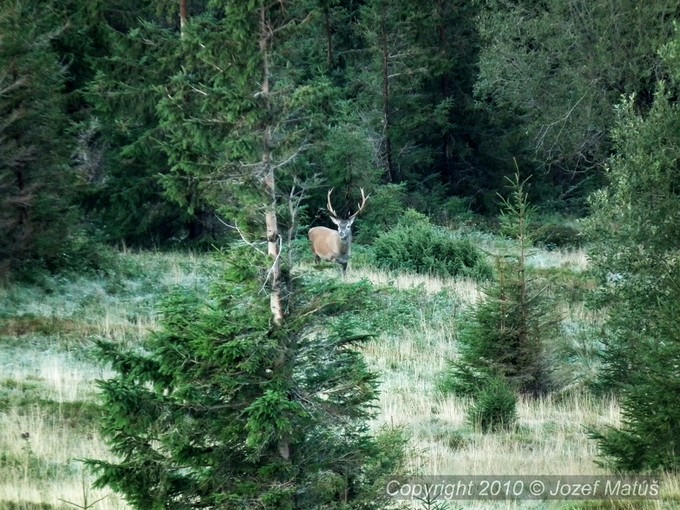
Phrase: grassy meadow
(48, 410)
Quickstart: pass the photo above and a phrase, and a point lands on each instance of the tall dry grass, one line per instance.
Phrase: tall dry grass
(47, 375)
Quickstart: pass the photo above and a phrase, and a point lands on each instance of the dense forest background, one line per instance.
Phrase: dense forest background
(522, 162)
(141, 123)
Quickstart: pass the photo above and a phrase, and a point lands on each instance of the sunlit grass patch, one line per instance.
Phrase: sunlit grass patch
(550, 436)
(575, 260)
(48, 371)
(40, 448)
(466, 289)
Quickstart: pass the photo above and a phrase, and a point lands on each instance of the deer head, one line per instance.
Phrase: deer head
(332, 245)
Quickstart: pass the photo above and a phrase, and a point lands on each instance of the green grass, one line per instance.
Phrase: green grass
(19, 505)
(48, 408)
(49, 412)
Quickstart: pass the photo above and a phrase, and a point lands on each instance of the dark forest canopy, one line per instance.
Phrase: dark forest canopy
(120, 119)
(154, 124)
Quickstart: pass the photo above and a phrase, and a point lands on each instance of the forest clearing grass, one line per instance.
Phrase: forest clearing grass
(549, 439)
(48, 411)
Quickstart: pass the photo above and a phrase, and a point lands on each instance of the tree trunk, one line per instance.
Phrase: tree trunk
(329, 37)
(389, 166)
(194, 228)
(182, 16)
(273, 238)
(447, 139)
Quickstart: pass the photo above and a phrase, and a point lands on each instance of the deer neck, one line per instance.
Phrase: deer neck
(344, 245)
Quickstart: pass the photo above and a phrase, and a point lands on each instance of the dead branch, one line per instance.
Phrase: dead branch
(241, 234)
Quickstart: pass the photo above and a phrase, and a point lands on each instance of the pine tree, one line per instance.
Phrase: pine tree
(505, 337)
(38, 221)
(414, 80)
(125, 196)
(243, 400)
(648, 438)
(223, 408)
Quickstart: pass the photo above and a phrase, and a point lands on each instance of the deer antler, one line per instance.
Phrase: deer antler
(361, 206)
(329, 206)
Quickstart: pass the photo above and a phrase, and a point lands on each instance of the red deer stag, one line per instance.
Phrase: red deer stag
(332, 245)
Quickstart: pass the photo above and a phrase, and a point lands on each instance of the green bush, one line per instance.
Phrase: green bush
(494, 408)
(552, 236)
(635, 226)
(418, 246)
(456, 210)
(362, 256)
(386, 207)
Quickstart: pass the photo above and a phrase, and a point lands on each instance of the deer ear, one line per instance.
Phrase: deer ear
(335, 220)
(350, 221)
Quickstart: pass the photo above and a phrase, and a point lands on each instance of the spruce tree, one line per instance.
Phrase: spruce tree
(222, 408)
(414, 80)
(38, 222)
(507, 330)
(125, 197)
(253, 397)
(636, 228)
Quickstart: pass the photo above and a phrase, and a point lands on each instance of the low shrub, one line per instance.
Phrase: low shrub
(417, 246)
(385, 209)
(462, 379)
(494, 408)
(553, 236)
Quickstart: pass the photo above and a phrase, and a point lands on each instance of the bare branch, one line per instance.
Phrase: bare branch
(291, 157)
(198, 90)
(240, 233)
(540, 139)
(273, 267)
(291, 23)
(297, 195)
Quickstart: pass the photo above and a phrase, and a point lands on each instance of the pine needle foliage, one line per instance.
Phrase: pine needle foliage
(649, 436)
(415, 245)
(504, 338)
(636, 229)
(494, 408)
(39, 225)
(221, 409)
